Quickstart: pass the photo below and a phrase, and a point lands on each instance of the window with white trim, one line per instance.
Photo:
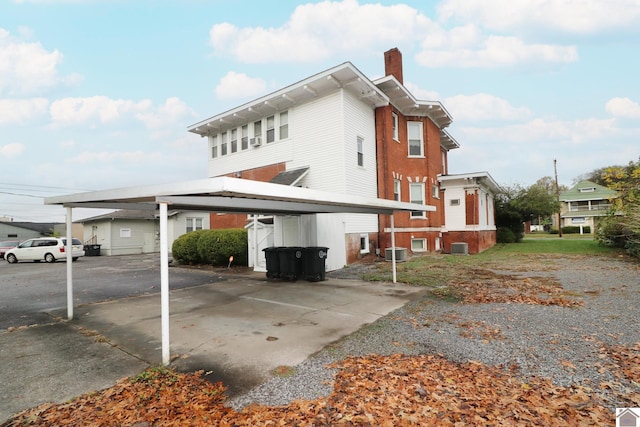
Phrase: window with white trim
(397, 190)
(416, 145)
(416, 194)
(359, 149)
(394, 126)
(214, 146)
(257, 129)
(234, 140)
(244, 137)
(271, 129)
(223, 144)
(454, 202)
(193, 224)
(435, 191)
(418, 245)
(284, 125)
(364, 243)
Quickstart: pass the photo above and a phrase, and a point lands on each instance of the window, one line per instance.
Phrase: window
(194, 224)
(416, 190)
(223, 144)
(414, 130)
(394, 124)
(364, 243)
(587, 190)
(396, 190)
(271, 131)
(234, 140)
(418, 245)
(359, 148)
(244, 137)
(435, 191)
(257, 129)
(454, 202)
(214, 146)
(284, 125)
(125, 233)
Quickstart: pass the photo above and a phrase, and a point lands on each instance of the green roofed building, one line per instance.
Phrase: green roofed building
(584, 204)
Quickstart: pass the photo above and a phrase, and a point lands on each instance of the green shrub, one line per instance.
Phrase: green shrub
(505, 235)
(216, 246)
(185, 248)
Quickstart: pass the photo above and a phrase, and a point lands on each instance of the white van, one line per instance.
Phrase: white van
(44, 248)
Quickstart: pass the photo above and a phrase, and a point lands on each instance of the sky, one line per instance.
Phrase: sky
(98, 94)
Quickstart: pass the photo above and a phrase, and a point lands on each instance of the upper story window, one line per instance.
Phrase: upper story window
(394, 124)
(416, 193)
(416, 145)
(214, 146)
(435, 191)
(257, 129)
(223, 144)
(360, 149)
(396, 190)
(244, 137)
(234, 140)
(284, 125)
(271, 129)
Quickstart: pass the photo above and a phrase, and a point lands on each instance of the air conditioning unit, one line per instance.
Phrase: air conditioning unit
(256, 142)
(459, 248)
(401, 254)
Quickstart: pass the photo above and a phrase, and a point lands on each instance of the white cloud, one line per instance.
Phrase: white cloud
(317, 30)
(12, 150)
(67, 144)
(422, 94)
(482, 106)
(166, 116)
(102, 109)
(103, 157)
(21, 110)
(239, 85)
(623, 107)
(469, 49)
(570, 16)
(26, 67)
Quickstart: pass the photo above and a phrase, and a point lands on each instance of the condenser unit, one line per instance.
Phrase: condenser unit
(256, 142)
(401, 254)
(459, 248)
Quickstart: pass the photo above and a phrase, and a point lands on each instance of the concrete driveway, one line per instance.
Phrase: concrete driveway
(237, 330)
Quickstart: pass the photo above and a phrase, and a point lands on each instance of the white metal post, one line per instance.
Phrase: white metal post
(69, 249)
(164, 285)
(393, 249)
(255, 241)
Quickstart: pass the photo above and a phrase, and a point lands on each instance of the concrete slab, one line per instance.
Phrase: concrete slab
(241, 329)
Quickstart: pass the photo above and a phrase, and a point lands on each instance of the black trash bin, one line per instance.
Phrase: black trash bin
(314, 260)
(92, 250)
(272, 257)
(290, 259)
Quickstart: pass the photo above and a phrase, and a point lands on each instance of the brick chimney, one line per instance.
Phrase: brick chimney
(393, 63)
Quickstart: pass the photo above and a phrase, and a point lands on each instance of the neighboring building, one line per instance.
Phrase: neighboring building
(12, 230)
(584, 204)
(340, 132)
(127, 232)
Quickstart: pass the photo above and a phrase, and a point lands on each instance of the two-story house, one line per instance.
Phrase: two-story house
(338, 131)
(584, 204)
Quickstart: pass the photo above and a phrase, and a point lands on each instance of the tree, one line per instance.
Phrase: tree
(594, 176)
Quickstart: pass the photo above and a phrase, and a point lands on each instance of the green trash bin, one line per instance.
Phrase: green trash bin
(314, 261)
(290, 259)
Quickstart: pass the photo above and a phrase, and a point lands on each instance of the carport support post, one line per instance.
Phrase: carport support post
(69, 254)
(164, 285)
(393, 249)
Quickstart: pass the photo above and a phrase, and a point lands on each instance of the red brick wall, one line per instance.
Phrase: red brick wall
(263, 174)
(478, 241)
(393, 64)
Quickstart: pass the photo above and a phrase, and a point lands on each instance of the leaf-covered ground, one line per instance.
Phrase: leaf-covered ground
(393, 390)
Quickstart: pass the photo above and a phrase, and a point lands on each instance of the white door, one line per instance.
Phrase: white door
(260, 239)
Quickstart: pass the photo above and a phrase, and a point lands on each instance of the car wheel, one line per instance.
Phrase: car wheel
(75, 258)
(11, 259)
(49, 258)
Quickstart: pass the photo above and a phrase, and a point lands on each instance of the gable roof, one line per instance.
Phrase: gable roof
(40, 227)
(291, 177)
(123, 214)
(587, 190)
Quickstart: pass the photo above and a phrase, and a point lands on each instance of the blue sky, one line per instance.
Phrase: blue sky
(98, 94)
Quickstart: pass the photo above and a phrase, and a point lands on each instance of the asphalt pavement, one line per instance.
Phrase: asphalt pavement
(236, 327)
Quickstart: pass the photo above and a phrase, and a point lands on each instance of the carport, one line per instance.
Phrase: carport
(222, 194)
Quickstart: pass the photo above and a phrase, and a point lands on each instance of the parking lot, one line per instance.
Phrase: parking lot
(236, 327)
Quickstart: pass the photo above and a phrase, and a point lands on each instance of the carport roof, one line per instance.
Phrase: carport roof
(225, 194)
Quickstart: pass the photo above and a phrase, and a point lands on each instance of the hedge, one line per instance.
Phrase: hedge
(212, 247)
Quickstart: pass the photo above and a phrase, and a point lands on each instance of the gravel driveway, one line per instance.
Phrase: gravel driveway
(565, 344)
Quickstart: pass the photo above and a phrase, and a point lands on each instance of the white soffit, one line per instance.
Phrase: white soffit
(225, 194)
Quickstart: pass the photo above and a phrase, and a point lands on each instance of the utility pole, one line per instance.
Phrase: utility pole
(555, 171)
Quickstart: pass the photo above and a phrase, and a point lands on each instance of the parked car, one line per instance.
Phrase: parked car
(6, 245)
(49, 249)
